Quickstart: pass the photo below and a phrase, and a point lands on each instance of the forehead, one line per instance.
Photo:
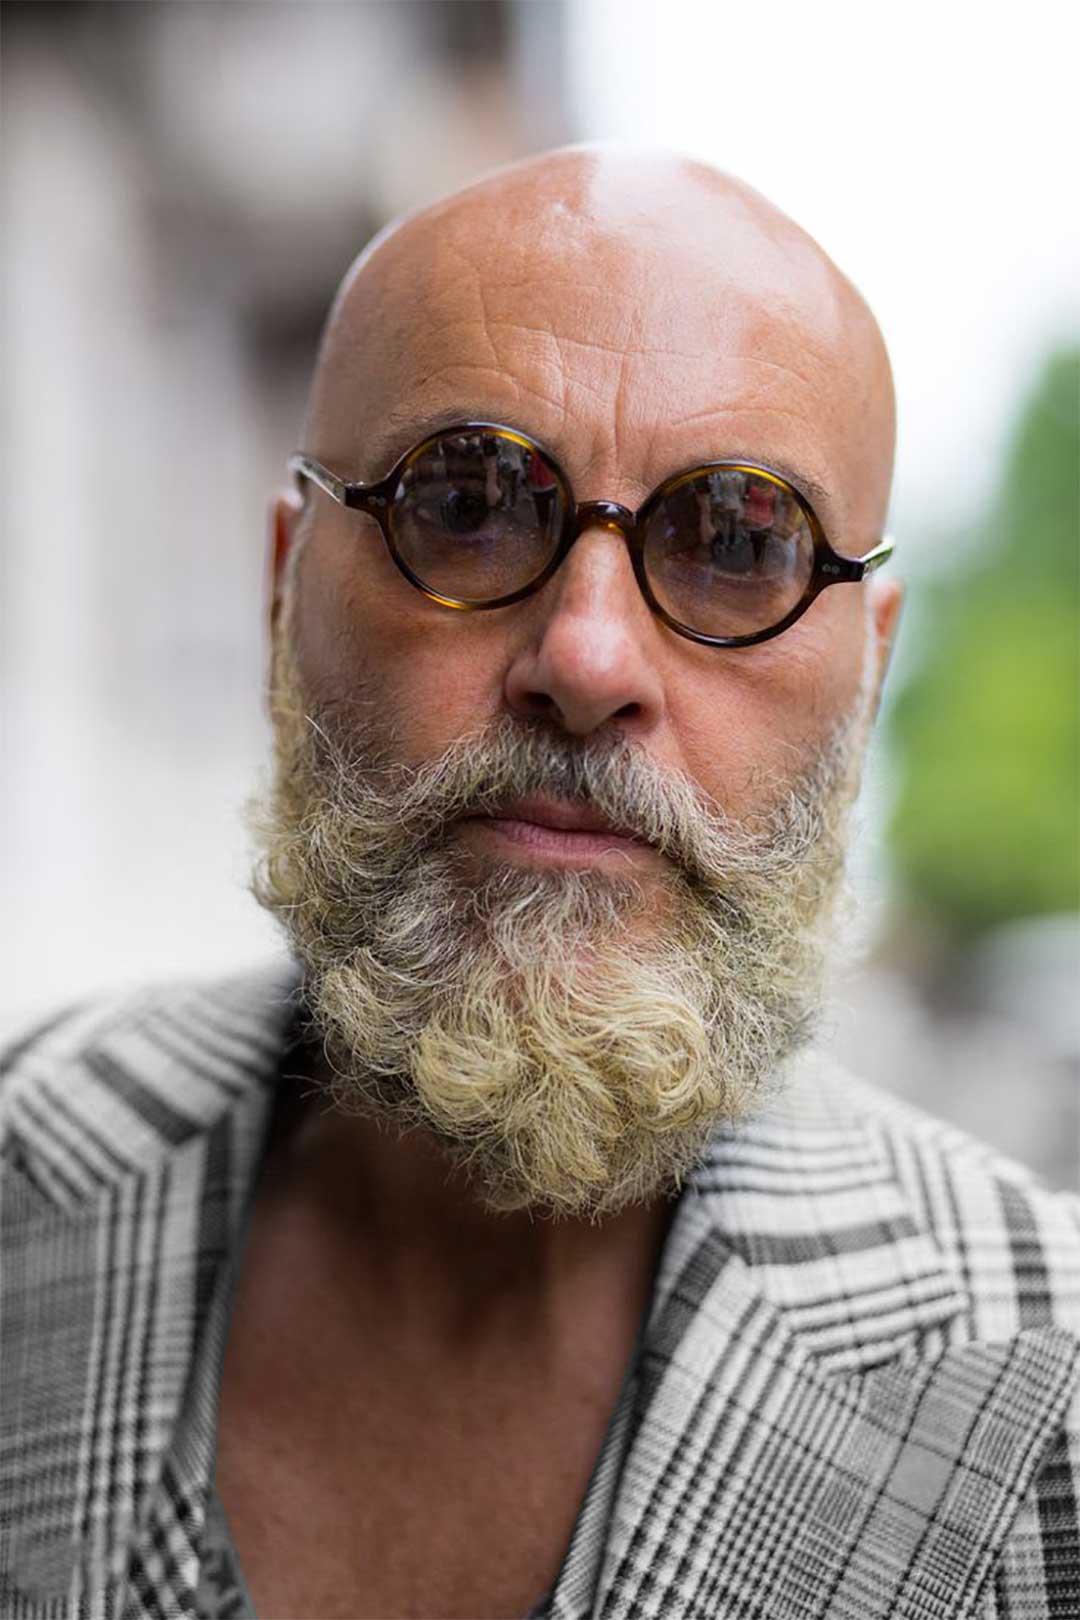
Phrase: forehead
(631, 324)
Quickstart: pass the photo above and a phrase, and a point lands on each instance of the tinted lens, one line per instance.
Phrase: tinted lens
(477, 516)
(728, 552)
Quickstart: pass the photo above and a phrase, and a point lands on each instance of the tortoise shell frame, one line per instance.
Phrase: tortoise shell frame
(377, 501)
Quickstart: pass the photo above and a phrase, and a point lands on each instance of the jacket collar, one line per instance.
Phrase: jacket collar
(808, 1195)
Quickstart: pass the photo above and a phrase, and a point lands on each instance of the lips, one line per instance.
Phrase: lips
(563, 817)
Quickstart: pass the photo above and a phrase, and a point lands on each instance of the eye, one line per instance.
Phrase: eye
(738, 553)
(465, 511)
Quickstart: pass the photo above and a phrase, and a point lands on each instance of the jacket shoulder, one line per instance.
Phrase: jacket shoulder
(1013, 1241)
(115, 1082)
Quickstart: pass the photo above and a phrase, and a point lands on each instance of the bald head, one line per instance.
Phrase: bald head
(678, 292)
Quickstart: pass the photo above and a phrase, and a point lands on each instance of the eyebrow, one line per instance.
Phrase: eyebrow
(801, 481)
(406, 429)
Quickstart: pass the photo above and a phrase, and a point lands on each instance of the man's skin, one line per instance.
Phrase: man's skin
(415, 1389)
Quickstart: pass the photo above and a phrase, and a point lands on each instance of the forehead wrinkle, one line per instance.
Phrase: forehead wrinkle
(726, 448)
(779, 365)
(495, 392)
(603, 315)
(518, 342)
(620, 351)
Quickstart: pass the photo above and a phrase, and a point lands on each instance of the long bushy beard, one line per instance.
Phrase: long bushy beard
(571, 1038)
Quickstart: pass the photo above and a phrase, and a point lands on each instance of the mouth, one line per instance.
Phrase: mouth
(560, 833)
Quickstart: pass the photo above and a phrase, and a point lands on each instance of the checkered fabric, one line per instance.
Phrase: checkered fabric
(856, 1396)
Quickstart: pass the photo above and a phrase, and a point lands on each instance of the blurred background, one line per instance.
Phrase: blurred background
(183, 185)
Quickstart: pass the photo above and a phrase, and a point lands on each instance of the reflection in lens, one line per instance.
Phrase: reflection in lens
(728, 553)
(477, 516)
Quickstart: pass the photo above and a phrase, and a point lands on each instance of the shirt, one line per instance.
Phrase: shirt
(223, 1592)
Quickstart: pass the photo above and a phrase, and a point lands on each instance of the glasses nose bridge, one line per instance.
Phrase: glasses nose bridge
(609, 515)
(614, 518)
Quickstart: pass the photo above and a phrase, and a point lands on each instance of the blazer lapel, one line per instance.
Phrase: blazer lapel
(797, 1453)
(757, 1485)
(131, 1144)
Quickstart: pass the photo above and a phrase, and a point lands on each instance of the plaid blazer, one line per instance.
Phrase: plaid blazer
(856, 1395)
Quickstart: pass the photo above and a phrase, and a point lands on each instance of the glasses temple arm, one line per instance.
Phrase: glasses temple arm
(874, 559)
(305, 468)
(358, 497)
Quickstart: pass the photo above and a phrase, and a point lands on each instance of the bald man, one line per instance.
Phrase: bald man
(511, 1251)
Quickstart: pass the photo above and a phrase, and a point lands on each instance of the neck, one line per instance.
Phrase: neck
(390, 1219)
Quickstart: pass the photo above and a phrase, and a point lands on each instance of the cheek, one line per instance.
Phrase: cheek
(756, 717)
(364, 632)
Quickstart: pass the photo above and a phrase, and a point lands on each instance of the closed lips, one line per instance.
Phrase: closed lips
(562, 817)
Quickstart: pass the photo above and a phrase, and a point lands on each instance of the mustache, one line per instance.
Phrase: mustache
(399, 811)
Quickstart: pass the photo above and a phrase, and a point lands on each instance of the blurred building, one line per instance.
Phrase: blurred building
(183, 187)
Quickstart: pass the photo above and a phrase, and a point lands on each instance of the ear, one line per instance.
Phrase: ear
(282, 520)
(886, 599)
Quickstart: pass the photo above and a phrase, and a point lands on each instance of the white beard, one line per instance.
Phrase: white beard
(571, 1039)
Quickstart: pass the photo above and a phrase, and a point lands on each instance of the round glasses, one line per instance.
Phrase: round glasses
(480, 516)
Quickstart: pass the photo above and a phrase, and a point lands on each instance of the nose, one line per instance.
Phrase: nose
(588, 655)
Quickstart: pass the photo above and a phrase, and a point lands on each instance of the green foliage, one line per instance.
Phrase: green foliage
(987, 732)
